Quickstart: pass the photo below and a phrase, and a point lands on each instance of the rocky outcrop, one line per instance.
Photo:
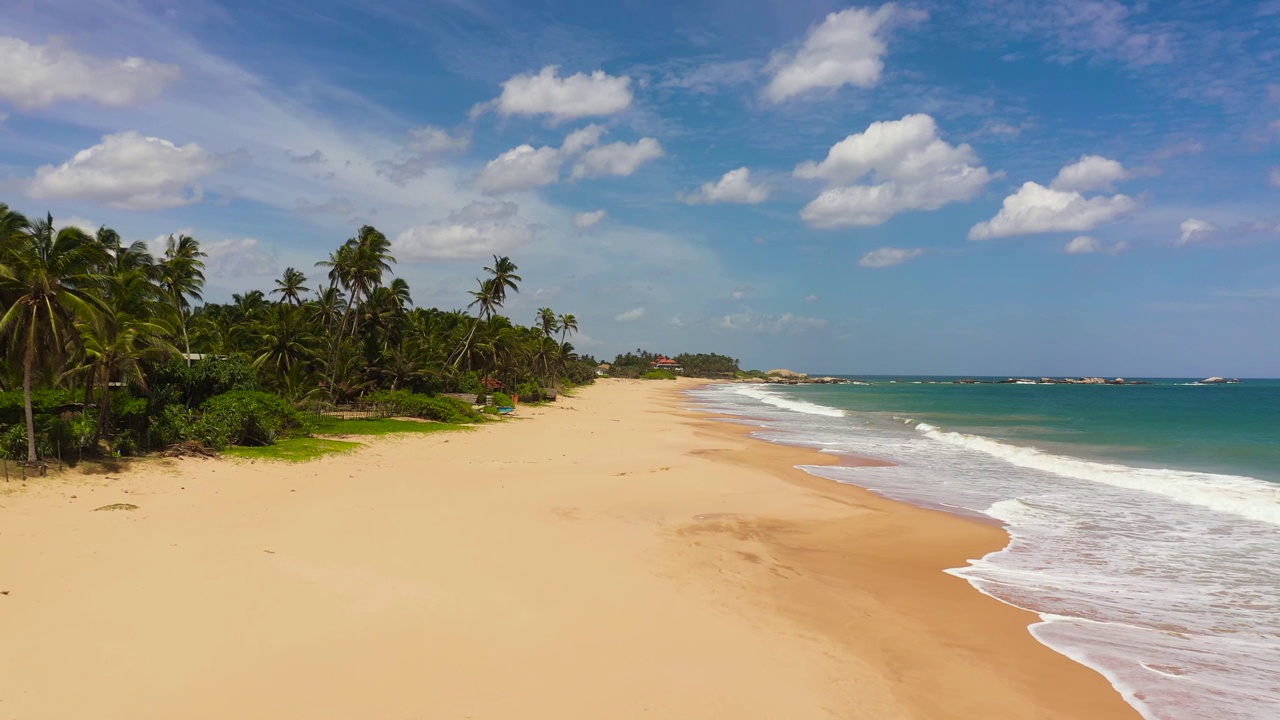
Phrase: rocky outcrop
(784, 373)
(1219, 381)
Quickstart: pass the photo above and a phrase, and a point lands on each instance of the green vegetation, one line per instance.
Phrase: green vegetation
(658, 375)
(98, 336)
(699, 365)
(503, 400)
(294, 449)
(116, 506)
(384, 426)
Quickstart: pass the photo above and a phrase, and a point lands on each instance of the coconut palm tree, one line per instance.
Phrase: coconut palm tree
(547, 322)
(504, 277)
(290, 287)
(568, 324)
(50, 281)
(182, 277)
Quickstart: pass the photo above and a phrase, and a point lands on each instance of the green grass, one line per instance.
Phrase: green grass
(386, 426)
(293, 450)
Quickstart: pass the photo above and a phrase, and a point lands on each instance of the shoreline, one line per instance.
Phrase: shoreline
(613, 556)
(996, 633)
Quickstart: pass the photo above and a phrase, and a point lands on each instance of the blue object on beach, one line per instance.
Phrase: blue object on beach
(505, 410)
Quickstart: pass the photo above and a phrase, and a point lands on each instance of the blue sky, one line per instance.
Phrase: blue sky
(984, 187)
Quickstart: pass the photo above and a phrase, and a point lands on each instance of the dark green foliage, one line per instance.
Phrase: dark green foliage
(43, 402)
(173, 425)
(707, 365)
(470, 383)
(246, 417)
(529, 392)
(502, 400)
(489, 410)
(194, 384)
(13, 442)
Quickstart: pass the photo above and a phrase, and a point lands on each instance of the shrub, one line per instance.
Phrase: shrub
(43, 402)
(173, 425)
(502, 400)
(470, 383)
(658, 375)
(13, 442)
(490, 410)
(245, 417)
(530, 392)
(482, 399)
(440, 409)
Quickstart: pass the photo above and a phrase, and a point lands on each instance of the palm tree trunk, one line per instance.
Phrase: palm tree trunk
(28, 367)
(182, 317)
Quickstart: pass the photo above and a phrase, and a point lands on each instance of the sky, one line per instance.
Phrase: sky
(985, 187)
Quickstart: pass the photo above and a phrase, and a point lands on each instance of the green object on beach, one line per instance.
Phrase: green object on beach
(293, 450)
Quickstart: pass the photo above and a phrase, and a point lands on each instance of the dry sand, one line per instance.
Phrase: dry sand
(607, 557)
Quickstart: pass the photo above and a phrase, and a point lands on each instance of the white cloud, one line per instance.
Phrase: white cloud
(847, 48)
(740, 292)
(233, 258)
(567, 98)
(1083, 245)
(888, 257)
(521, 168)
(586, 220)
(1038, 209)
(786, 323)
(1194, 231)
(129, 171)
(478, 230)
(733, 187)
(526, 167)
(581, 139)
(333, 206)
(75, 221)
(37, 76)
(913, 167)
(620, 159)
(811, 298)
(630, 315)
(1090, 172)
(713, 77)
(1180, 149)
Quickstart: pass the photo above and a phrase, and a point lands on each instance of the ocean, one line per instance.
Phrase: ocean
(1144, 519)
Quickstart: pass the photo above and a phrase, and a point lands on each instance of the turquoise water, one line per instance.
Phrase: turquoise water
(1171, 423)
(1144, 520)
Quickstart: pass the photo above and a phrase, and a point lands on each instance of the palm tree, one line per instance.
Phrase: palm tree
(568, 324)
(182, 277)
(290, 287)
(51, 276)
(547, 322)
(504, 277)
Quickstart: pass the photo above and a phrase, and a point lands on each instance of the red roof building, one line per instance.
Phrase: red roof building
(665, 363)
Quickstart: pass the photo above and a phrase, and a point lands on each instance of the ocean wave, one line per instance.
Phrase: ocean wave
(1243, 496)
(786, 403)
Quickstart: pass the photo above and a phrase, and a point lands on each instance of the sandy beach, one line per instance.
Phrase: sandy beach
(608, 556)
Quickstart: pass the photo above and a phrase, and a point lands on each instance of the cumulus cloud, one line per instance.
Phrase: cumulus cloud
(1038, 209)
(888, 257)
(129, 171)
(630, 315)
(586, 220)
(1083, 245)
(1195, 230)
(521, 168)
(75, 221)
(568, 98)
(734, 187)
(478, 230)
(37, 76)
(786, 323)
(912, 168)
(619, 158)
(847, 48)
(526, 167)
(1090, 172)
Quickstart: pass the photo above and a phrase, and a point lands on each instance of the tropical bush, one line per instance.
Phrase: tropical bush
(658, 375)
(503, 400)
(246, 417)
(490, 410)
(440, 409)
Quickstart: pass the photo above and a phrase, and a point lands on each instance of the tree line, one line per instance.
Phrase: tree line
(95, 329)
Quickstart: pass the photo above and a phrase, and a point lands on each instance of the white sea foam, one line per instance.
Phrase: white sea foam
(1243, 496)
(771, 398)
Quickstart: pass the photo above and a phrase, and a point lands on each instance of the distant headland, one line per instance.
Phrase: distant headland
(788, 377)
